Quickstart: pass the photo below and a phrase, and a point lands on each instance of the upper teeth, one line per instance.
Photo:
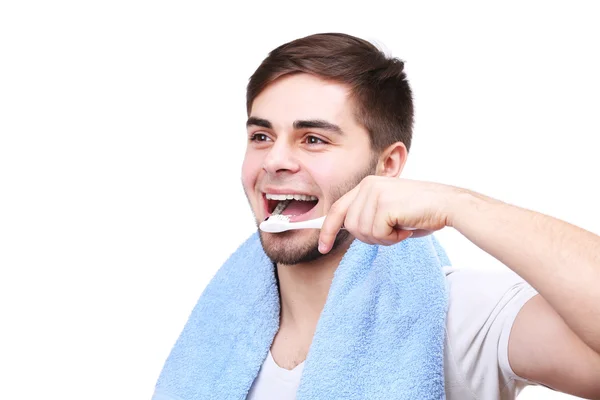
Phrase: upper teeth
(303, 197)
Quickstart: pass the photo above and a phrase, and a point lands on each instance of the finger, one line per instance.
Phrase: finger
(396, 236)
(386, 234)
(354, 214)
(335, 219)
(366, 203)
(383, 230)
(401, 235)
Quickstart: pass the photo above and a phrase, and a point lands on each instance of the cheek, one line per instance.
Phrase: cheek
(328, 176)
(251, 168)
(337, 175)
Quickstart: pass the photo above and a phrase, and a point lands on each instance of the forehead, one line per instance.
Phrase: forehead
(304, 96)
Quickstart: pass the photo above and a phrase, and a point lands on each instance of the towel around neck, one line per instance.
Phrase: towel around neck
(379, 336)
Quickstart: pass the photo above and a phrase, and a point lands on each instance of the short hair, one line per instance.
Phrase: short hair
(379, 87)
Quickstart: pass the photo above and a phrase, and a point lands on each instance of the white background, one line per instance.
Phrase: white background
(122, 136)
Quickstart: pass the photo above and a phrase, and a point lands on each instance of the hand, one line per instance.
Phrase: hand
(375, 211)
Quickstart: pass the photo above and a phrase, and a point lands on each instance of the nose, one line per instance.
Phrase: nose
(280, 159)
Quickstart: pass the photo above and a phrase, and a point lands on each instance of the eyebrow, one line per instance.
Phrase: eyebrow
(319, 124)
(255, 121)
(299, 124)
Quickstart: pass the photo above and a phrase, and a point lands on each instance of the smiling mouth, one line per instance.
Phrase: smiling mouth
(297, 206)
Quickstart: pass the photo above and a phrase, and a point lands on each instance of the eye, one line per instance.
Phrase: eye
(259, 137)
(314, 140)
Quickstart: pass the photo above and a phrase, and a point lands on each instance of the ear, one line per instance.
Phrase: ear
(392, 160)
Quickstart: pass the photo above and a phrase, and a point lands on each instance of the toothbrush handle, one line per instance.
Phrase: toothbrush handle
(317, 223)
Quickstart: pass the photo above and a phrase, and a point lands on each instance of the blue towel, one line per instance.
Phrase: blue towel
(380, 335)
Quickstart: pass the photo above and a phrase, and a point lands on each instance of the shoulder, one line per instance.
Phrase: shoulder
(482, 307)
(477, 292)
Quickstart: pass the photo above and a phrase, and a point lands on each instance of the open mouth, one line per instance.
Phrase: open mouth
(298, 207)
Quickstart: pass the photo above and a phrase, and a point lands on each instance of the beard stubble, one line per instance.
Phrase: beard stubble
(285, 248)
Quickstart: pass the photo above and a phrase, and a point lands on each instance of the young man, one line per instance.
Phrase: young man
(329, 128)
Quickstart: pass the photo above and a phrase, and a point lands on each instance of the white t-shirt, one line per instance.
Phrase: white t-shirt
(481, 311)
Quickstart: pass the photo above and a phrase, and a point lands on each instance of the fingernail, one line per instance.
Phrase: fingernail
(321, 247)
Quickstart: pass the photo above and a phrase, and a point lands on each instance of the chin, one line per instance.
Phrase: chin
(291, 247)
(296, 247)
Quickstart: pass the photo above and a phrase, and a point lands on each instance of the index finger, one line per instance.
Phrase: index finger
(335, 219)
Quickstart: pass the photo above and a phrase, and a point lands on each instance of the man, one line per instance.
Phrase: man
(329, 128)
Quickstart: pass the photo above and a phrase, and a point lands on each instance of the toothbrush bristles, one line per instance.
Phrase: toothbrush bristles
(275, 223)
(278, 218)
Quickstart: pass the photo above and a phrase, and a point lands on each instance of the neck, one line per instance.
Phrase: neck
(304, 288)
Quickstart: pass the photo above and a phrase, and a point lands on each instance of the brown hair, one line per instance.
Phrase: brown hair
(378, 83)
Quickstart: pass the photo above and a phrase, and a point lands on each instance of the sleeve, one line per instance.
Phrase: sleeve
(483, 305)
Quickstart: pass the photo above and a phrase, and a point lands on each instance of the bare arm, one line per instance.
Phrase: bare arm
(555, 339)
(561, 261)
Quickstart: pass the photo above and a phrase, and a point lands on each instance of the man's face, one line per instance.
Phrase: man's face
(303, 140)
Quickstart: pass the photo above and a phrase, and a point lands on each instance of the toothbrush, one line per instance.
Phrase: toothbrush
(281, 223)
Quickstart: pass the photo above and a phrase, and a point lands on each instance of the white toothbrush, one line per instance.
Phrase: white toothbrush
(281, 223)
